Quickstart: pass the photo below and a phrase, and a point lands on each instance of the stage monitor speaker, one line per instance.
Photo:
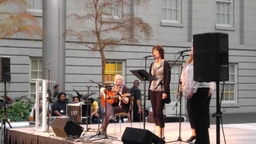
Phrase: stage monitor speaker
(64, 127)
(5, 69)
(140, 136)
(211, 57)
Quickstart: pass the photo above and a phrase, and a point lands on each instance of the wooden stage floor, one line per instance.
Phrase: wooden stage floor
(235, 133)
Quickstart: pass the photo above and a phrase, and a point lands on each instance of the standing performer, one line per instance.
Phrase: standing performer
(122, 105)
(198, 99)
(159, 94)
(137, 101)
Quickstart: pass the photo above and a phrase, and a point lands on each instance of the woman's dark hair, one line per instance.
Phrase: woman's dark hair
(159, 49)
(76, 97)
(91, 100)
(61, 93)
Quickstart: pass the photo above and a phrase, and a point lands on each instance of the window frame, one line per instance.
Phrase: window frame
(173, 91)
(111, 16)
(32, 81)
(115, 72)
(174, 23)
(235, 83)
(221, 26)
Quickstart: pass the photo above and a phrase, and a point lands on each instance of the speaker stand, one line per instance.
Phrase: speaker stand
(4, 119)
(218, 113)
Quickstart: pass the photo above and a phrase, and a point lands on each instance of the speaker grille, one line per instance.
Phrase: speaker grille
(5, 69)
(211, 57)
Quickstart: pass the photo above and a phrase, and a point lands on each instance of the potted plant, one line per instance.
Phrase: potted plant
(18, 111)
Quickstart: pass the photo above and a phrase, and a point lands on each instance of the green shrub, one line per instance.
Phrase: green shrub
(18, 111)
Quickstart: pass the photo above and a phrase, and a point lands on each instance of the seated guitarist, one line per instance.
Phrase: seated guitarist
(123, 105)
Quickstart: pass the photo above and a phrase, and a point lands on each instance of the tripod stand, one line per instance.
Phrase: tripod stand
(98, 131)
(4, 119)
(88, 116)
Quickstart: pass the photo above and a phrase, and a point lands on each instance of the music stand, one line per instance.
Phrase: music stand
(143, 75)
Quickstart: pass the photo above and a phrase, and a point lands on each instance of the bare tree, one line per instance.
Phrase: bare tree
(108, 31)
(14, 19)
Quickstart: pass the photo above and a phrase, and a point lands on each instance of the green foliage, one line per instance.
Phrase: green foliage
(18, 111)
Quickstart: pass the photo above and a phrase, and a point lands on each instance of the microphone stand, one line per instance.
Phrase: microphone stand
(98, 133)
(179, 94)
(144, 93)
(87, 105)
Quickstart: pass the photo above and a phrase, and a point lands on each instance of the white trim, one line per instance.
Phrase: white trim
(221, 26)
(178, 21)
(111, 16)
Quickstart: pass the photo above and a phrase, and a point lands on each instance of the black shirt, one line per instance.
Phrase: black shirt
(60, 106)
(125, 106)
(137, 96)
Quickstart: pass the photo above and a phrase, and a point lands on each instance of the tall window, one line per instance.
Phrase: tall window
(171, 11)
(224, 12)
(230, 88)
(113, 68)
(35, 5)
(175, 76)
(113, 10)
(35, 72)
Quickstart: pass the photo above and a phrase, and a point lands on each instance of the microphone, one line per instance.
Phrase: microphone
(148, 56)
(185, 55)
(184, 51)
(96, 83)
(48, 65)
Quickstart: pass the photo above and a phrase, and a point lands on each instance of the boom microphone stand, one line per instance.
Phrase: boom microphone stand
(179, 94)
(87, 112)
(97, 134)
(5, 120)
(144, 93)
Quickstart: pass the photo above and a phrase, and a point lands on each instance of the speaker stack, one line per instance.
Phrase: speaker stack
(64, 127)
(5, 69)
(140, 136)
(211, 57)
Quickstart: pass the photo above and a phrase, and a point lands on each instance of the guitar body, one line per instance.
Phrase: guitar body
(109, 97)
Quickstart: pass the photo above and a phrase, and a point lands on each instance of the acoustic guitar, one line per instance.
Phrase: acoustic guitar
(111, 98)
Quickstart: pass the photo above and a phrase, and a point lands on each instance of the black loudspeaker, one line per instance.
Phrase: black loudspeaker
(64, 127)
(5, 69)
(140, 136)
(211, 57)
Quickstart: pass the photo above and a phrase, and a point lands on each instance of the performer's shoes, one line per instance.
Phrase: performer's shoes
(101, 132)
(112, 118)
(191, 139)
(163, 138)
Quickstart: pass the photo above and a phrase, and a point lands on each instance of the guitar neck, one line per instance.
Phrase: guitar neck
(117, 96)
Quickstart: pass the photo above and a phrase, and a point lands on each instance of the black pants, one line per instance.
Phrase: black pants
(157, 107)
(190, 113)
(200, 112)
(136, 117)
